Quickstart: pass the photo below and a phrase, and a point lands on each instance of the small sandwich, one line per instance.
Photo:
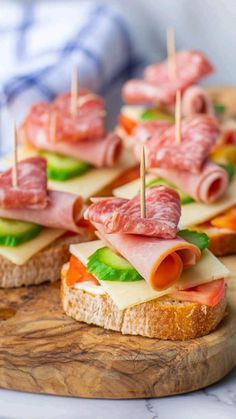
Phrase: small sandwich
(70, 133)
(36, 225)
(152, 98)
(144, 277)
(207, 188)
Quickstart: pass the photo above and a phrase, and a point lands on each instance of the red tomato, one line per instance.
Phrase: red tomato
(209, 294)
(77, 273)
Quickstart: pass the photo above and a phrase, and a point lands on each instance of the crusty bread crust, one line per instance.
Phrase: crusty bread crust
(44, 266)
(223, 244)
(161, 318)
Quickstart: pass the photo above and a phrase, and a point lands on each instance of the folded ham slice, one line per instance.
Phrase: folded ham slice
(137, 91)
(160, 262)
(157, 88)
(207, 186)
(198, 135)
(99, 152)
(196, 100)
(123, 215)
(31, 190)
(63, 211)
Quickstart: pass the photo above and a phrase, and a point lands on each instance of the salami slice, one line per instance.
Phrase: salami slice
(58, 124)
(157, 88)
(123, 216)
(191, 66)
(196, 100)
(63, 211)
(198, 135)
(145, 131)
(31, 191)
(207, 186)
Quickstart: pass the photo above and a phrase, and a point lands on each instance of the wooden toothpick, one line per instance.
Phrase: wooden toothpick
(170, 40)
(15, 158)
(178, 117)
(53, 127)
(142, 184)
(74, 92)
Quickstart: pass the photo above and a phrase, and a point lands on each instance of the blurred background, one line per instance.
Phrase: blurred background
(108, 41)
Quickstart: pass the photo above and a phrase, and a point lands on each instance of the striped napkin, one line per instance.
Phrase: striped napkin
(42, 42)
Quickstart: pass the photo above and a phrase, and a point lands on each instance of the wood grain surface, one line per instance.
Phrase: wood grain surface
(43, 351)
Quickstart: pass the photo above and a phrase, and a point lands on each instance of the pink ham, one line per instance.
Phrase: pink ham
(31, 190)
(207, 186)
(160, 262)
(198, 135)
(98, 152)
(196, 100)
(135, 92)
(63, 212)
(123, 215)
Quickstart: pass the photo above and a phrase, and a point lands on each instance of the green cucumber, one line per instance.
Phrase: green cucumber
(153, 114)
(201, 240)
(229, 168)
(184, 198)
(14, 232)
(62, 167)
(219, 108)
(106, 265)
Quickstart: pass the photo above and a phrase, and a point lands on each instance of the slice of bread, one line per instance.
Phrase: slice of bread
(222, 240)
(44, 266)
(161, 318)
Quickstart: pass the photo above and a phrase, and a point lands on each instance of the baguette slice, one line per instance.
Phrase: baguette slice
(44, 266)
(222, 240)
(161, 318)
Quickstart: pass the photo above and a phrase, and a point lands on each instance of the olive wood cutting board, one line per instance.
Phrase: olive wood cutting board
(43, 351)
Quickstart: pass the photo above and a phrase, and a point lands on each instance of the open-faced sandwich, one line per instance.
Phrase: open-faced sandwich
(36, 225)
(81, 155)
(207, 189)
(153, 98)
(144, 277)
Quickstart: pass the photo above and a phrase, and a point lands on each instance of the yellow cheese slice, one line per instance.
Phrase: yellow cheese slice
(21, 254)
(191, 214)
(88, 184)
(128, 294)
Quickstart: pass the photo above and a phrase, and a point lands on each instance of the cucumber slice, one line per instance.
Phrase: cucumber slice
(106, 265)
(184, 198)
(153, 114)
(219, 108)
(201, 240)
(14, 232)
(62, 167)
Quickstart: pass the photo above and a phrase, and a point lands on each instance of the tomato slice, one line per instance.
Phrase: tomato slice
(127, 123)
(77, 273)
(209, 294)
(226, 220)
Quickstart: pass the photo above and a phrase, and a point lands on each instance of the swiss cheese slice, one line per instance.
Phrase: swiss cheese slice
(90, 183)
(128, 294)
(191, 214)
(22, 253)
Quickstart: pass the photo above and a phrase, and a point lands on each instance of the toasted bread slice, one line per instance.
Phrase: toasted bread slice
(44, 266)
(161, 318)
(222, 240)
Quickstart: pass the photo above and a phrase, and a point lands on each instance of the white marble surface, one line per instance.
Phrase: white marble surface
(215, 402)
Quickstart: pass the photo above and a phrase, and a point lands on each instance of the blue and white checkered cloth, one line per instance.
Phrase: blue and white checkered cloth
(42, 42)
